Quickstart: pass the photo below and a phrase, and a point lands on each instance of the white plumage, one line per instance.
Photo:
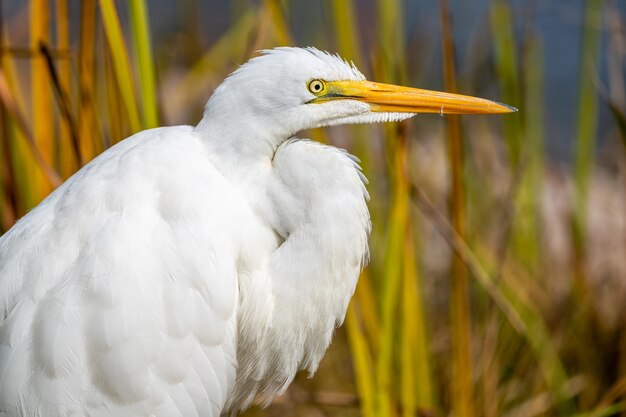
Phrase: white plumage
(187, 269)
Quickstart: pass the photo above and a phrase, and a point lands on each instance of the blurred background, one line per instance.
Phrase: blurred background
(497, 282)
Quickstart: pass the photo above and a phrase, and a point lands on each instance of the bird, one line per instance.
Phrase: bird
(187, 270)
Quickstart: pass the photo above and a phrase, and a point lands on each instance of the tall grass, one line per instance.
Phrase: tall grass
(41, 96)
(460, 316)
(458, 312)
(145, 63)
(121, 62)
(587, 124)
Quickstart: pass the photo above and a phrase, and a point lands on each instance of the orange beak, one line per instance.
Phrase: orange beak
(394, 98)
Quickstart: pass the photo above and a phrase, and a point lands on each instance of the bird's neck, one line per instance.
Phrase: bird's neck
(234, 147)
(239, 138)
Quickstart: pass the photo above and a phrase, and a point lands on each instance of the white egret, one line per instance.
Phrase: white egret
(187, 269)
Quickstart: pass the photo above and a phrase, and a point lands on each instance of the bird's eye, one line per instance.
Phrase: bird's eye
(316, 86)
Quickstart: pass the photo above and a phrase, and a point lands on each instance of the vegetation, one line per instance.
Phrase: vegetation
(497, 284)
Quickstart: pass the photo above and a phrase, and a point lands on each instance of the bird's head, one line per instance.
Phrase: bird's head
(290, 89)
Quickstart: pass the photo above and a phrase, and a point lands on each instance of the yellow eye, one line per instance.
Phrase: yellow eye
(316, 86)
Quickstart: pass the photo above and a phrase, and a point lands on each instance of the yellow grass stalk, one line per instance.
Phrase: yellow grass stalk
(461, 381)
(23, 160)
(140, 29)
(390, 68)
(88, 128)
(42, 112)
(415, 382)
(346, 30)
(362, 361)
(121, 62)
(391, 38)
(279, 25)
(10, 203)
(407, 337)
(8, 193)
(369, 310)
(11, 105)
(362, 325)
(392, 279)
(64, 105)
(415, 375)
(66, 158)
(271, 29)
(112, 109)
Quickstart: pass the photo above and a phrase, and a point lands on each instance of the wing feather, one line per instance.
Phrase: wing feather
(118, 293)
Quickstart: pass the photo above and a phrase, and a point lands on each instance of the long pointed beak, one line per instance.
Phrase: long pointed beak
(394, 98)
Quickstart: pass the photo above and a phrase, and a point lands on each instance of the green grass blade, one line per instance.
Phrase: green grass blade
(502, 26)
(140, 29)
(391, 69)
(416, 384)
(587, 116)
(16, 185)
(526, 224)
(391, 284)
(121, 62)
(609, 410)
(346, 30)
(391, 44)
